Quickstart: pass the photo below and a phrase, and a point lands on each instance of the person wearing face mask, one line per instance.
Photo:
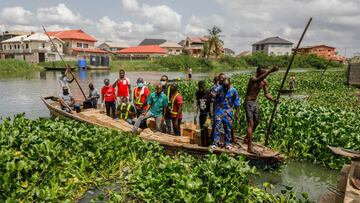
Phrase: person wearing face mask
(175, 109)
(141, 94)
(157, 104)
(226, 99)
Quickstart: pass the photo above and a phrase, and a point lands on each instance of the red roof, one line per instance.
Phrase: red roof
(89, 50)
(72, 34)
(315, 46)
(198, 39)
(146, 49)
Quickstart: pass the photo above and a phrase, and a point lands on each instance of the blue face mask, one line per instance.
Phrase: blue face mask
(140, 85)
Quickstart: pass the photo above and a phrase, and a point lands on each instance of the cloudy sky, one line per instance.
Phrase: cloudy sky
(336, 22)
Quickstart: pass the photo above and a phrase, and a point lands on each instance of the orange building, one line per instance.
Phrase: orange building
(325, 51)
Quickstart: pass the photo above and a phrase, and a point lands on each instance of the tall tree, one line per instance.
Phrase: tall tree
(214, 43)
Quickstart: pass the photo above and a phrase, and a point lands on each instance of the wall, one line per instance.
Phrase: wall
(278, 49)
(173, 51)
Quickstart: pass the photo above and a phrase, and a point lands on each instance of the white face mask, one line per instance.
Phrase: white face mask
(163, 83)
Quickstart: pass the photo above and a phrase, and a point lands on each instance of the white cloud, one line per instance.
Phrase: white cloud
(60, 14)
(198, 26)
(16, 15)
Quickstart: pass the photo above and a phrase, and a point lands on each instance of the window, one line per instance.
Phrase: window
(170, 50)
(257, 47)
(43, 45)
(78, 45)
(85, 46)
(4, 46)
(329, 50)
(262, 47)
(26, 46)
(177, 50)
(15, 46)
(10, 46)
(18, 46)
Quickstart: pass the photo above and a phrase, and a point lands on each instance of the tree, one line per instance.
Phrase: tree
(214, 43)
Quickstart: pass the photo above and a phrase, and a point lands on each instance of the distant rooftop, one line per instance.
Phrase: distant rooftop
(27, 38)
(116, 44)
(170, 45)
(152, 42)
(16, 32)
(72, 34)
(273, 40)
(147, 49)
(198, 39)
(314, 46)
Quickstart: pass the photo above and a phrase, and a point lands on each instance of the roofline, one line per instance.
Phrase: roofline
(309, 47)
(272, 43)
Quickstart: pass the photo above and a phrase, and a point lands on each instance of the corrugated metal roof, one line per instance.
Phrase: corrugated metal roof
(273, 40)
(152, 42)
(148, 49)
(72, 34)
(15, 39)
(26, 38)
(170, 45)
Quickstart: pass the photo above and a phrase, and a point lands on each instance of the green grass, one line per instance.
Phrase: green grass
(15, 67)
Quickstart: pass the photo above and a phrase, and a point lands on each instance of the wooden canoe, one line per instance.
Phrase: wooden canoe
(186, 142)
(354, 155)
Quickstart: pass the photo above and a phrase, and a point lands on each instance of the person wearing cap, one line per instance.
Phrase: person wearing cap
(67, 101)
(141, 94)
(226, 99)
(175, 110)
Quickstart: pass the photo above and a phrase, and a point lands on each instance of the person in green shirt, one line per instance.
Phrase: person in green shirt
(157, 103)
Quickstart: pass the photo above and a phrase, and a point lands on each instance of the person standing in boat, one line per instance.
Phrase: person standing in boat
(157, 104)
(67, 101)
(123, 87)
(203, 101)
(108, 96)
(64, 81)
(127, 111)
(166, 90)
(175, 108)
(255, 84)
(226, 99)
(189, 73)
(141, 94)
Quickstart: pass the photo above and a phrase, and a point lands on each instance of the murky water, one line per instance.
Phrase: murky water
(19, 95)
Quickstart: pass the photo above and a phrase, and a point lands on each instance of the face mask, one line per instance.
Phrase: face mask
(140, 85)
(163, 83)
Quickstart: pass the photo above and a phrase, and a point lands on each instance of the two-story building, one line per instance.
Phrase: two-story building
(77, 43)
(32, 48)
(113, 46)
(172, 48)
(274, 46)
(194, 45)
(325, 51)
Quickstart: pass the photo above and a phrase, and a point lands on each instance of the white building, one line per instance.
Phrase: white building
(32, 48)
(172, 48)
(113, 46)
(275, 46)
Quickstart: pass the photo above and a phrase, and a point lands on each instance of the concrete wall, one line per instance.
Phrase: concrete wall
(173, 51)
(273, 49)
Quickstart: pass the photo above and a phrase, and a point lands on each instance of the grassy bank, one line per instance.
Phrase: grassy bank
(17, 67)
(58, 64)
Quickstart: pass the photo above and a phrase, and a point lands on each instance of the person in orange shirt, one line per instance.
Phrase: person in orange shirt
(176, 103)
(141, 94)
(108, 95)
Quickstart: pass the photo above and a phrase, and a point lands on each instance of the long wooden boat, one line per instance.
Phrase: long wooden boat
(187, 142)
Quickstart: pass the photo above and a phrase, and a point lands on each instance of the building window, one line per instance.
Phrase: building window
(85, 46)
(79, 45)
(43, 45)
(177, 50)
(18, 46)
(262, 47)
(257, 47)
(15, 46)
(170, 50)
(4, 46)
(10, 46)
(26, 46)
(329, 50)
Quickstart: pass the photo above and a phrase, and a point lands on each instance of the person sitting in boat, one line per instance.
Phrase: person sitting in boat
(127, 111)
(123, 86)
(255, 84)
(203, 111)
(157, 103)
(67, 101)
(108, 96)
(175, 109)
(226, 99)
(64, 81)
(141, 94)
(93, 96)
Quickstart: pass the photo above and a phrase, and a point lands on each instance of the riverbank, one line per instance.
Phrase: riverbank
(14, 67)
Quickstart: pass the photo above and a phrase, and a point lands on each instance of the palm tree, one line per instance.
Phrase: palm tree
(214, 43)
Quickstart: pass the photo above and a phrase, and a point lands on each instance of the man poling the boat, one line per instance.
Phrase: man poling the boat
(226, 99)
(123, 87)
(67, 101)
(141, 94)
(157, 104)
(175, 108)
(64, 81)
(127, 111)
(255, 84)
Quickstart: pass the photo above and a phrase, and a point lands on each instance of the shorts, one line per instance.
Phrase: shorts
(252, 111)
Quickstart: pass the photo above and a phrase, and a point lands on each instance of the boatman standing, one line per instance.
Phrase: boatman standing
(226, 99)
(63, 80)
(251, 107)
(123, 87)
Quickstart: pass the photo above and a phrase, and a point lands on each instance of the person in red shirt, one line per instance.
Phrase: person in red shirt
(141, 94)
(123, 86)
(176, 103)
(108, 95)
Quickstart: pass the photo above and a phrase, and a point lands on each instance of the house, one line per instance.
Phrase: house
(77, 43)
(113, 46)
(172, 48)
(32, 48)
(275, 46)
(194, 45)
(10, 34)
(325, 51)
(244, 53)
(151, 42)
(141, 52)
(229, 52)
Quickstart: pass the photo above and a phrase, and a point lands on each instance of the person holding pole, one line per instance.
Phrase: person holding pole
(251, 107)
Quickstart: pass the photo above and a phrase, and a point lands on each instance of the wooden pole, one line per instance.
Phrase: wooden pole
(66, 65)
(267, 135)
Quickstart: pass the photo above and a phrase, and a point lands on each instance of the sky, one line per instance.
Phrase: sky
(243, 22)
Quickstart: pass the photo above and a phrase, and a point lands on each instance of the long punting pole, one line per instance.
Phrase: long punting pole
(66, 65)
(283, 82)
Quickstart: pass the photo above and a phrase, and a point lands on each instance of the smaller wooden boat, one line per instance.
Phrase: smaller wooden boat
(187, 142)
(287, 91)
